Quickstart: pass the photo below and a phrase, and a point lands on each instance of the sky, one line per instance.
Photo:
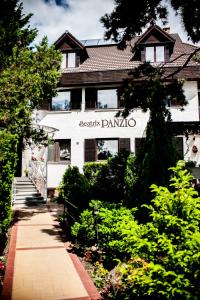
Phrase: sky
(80, 17)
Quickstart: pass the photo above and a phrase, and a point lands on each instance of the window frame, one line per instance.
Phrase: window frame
(155, 53)
(91, 98)
(56, 148)
(106, 139)
(71, 101)
(69, 60)
(90, 147)
(107, 89)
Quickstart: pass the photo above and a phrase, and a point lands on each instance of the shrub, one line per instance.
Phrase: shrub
(73, 192)
(104, 225)
(130, 180)
(8, 159)
(165, 260)
(107, 179)
(158, 259)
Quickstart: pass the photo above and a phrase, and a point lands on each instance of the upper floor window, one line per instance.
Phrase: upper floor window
(61, 101)
(107, 99)
(102, 98)
(67, 100)
(69, 60)
(155, 54)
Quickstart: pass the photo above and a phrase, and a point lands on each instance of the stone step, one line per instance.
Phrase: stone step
(28, 197)
(18, 179)
(25, 188)
(24, 184)
(27, 193)
(28, 203)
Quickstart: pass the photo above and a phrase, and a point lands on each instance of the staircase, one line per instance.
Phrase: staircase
(25, 193)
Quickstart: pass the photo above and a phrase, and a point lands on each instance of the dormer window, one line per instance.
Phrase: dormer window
(155, 54)
(69, 60)
(64, 61)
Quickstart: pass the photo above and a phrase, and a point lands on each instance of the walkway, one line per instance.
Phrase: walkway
(39, 266)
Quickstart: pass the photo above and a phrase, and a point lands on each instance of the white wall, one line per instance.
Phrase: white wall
(55, 173)
(191, 110)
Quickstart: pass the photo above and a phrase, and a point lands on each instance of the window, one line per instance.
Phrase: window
(67, 100)
(155, 54)
(106, 148)
(61, 101)
(71, 60)
(173, 102)
(64, 61)
(101, 98)
(107, 99)
(102, 149)
(60, 151)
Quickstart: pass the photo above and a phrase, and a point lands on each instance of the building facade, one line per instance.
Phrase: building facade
(83, 116)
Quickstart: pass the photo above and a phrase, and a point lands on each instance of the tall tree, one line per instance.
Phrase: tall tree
(28, 75)
(14, 29)
(129, 19)
(157, 153)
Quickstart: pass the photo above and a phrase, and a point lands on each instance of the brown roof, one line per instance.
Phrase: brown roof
(109, 57)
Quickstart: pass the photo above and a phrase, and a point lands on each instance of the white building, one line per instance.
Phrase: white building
(84, 112)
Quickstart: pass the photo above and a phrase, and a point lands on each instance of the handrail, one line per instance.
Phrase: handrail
(13, 191)
(37, 174)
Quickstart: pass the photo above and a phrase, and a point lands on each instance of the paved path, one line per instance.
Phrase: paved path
(39, 266)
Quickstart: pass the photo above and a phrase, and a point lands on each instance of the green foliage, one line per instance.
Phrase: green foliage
(13, 29)
(91, 170)
(30, 79)
(8, 159)
(107, 180)
(73, 192)
(158, 259)
(27, 78)
(126, 20)
(158, 151)
(165, 260)
(130, 180)
(104, 224)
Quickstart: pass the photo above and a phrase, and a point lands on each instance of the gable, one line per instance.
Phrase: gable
(155, 35)
(68, 41)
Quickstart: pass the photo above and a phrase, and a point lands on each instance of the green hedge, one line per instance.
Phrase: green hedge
(8, 159)
(107, 179)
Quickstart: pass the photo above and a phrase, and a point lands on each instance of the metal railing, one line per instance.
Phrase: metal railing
(37, 173)
(14, 192)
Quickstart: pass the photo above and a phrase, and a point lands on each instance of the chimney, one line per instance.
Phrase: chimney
(166, 29)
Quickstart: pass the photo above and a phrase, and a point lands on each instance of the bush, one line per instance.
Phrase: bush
(74, 192)
(8, 160)
(130, 180)
(104, 225)
(165, 260)
(107, 179)
(158, 259)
